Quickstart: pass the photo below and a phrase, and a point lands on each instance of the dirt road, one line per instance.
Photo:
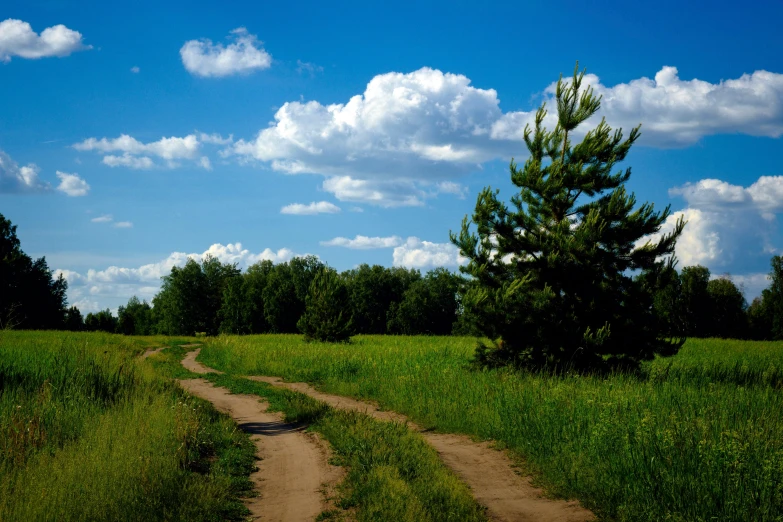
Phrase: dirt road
(294, 468)
(488, 472)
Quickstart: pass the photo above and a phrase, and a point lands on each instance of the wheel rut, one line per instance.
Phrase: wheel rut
(294, 468)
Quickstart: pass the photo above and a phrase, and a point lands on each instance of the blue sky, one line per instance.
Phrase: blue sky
(134, 136)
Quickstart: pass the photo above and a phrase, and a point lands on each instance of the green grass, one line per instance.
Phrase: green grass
(697, 437)
(392, 473)
(88, 432)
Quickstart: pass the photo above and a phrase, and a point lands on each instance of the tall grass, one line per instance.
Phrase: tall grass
(700, 437)
(87, 432)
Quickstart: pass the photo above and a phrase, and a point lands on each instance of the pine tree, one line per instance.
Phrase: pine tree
(552, 275)
(327, 309)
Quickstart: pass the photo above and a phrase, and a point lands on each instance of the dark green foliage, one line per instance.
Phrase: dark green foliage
(29, 297)
(663, 281)
(101, 321)
(255, 281)
(552, 273)
(695, 300)
(234, 312)
(765, 314)
(73, 320)
(374, 289)
(285, 292)
(428, 307)
(191, 297)
(327, 309)
(135, 318)
(727, 310)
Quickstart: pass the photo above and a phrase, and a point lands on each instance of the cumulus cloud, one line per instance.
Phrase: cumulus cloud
(731, 228)
(16, 179)
(138, 155)
(17, 38)
(244, 54)
(123, 224)
(112, 286)
(408, 132)
(364, 242)
(300, 209)
(72, 185)
(135, 69)
(106, 218)
(415, 253)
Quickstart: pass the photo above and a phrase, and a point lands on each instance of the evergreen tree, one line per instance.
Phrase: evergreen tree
(327, 309)
(135, 318)
(102, 321)
(552, 274)
(255, 282)
(30, 297)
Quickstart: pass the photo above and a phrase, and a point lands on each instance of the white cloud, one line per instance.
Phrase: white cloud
(415, 253)
(72, 184)
(16, 179)
(307, 67)
(730, 227)
(364, 242)
(408, 132)
(17, 38)
(115, 285)
(106, 218)
(126, 160)
(391, 193)
(322, 207)
(244, 55)
(123, 224)
(135, 69)
(215, 139)
(136, 155)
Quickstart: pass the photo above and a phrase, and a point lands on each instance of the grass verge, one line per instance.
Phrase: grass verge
(87, 432)
(699, 438)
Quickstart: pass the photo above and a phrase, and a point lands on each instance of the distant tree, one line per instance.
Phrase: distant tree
(327, 309)
(765, 314)
(285, 292)
(255, 281)
(217, 276)
(102, 321)
(235, 310)
(663, 282)
(727, 307)
(696, 301)
(373, 290)
(428, 307)
(135, 318)
(74, 321)
(552, 274)
(29, 296)
(759, 320)
(181, 301)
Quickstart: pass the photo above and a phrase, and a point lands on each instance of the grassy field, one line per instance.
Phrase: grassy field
(697, 437)
(87, 432)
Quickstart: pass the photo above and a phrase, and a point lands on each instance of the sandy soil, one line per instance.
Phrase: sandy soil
(488, 472)
(294, 470)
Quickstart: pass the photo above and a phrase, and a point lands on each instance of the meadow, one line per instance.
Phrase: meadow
(695, 437)
(89, 432)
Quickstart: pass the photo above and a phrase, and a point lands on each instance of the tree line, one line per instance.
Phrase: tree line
(214, 297)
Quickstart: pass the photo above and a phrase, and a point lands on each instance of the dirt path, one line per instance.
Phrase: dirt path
(488, 472)
(151, 351)
(294, 469)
